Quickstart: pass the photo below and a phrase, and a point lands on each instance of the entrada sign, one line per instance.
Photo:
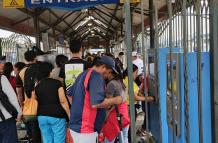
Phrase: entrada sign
(63, 4)
(68, 4)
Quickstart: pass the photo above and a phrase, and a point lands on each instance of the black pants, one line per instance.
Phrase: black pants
(129, 133)
(8, 131)
(33, 130)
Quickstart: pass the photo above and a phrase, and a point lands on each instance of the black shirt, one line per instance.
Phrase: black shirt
(48, 98)
(74, 61)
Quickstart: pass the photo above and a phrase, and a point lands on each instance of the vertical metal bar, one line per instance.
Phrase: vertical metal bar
(128, 38)
(198, 28)
(202, 25)
(184, 33)
(180, 29)
(0, 47)
(36, 28)
(177, 29)
(169, 5)
(214, 65)
(170, 15)
(144, 51)
(192, 27)
(152, 30)
(206, 25)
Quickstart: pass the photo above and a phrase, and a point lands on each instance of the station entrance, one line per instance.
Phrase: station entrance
(177, 41)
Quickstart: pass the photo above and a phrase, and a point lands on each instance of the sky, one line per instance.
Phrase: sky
(6, 33)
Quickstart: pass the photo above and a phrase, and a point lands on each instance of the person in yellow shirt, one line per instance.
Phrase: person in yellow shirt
(137, 95)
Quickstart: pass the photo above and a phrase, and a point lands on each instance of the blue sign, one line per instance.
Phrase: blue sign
(67, 4)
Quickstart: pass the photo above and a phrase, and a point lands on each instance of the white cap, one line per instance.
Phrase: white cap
(134, 54)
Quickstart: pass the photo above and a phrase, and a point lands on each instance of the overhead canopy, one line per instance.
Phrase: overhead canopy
(103, 21)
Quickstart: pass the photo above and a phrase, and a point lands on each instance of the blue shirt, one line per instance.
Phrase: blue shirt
(96, 88)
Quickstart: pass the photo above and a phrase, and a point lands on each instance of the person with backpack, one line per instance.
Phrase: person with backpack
(25, 84)
(10, 111)
(89, 101)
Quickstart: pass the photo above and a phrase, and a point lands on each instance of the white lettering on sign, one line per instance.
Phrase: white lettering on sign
(35, 1)
(58, 1)
(49, 1)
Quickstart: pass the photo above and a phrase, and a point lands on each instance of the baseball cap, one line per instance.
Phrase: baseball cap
(109, 62)
(134, 54)
(2, 59)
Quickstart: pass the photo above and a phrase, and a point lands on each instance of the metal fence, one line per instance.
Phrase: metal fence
(14, 47)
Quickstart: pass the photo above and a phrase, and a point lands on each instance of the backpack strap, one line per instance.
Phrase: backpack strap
(22, 73)
(1, 114)
(86, 81)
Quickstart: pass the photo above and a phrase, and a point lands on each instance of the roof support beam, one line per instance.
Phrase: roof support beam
(58, 21)
(114, 15)
(28, 17)
(20, 21)
(73, 24)
(32, 14)
(104, 37)
(109, 15)
(53, 13)
(104, 21)
(85, 36)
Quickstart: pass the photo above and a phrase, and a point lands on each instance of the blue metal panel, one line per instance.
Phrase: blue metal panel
(193, 97)
(206, 99)
(158, 122)
(181, 138)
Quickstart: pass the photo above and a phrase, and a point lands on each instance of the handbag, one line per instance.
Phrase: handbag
(30, 108)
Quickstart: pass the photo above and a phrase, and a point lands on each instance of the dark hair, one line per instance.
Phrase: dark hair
(95, 60)
(75, 46)
(99, 63)
(125, 73)
(118, 76)
(89, 59)
(30, 55)
(8, 68)
(121, 53)
(45, 69)
(60, 60)
(110, 55)
(19, 65)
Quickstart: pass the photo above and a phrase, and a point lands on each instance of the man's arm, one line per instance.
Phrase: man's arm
(19, 89)
(20, 95)
(109, 102)
(62, 74)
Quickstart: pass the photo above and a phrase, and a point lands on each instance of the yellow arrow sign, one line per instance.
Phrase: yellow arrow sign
(13, 3)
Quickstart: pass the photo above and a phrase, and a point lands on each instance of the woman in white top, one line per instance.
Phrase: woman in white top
(8, 130)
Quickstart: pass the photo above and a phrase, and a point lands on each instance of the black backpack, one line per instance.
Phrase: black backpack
(30, 79)
(7, 104)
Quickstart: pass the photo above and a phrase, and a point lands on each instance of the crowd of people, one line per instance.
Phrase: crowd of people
(79, 99)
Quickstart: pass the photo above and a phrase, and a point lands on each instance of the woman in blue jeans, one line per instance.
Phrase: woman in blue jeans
(53, 108)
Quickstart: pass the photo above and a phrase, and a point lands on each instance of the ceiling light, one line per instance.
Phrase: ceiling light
(93, 34)
(90, 24)
(92, 31)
